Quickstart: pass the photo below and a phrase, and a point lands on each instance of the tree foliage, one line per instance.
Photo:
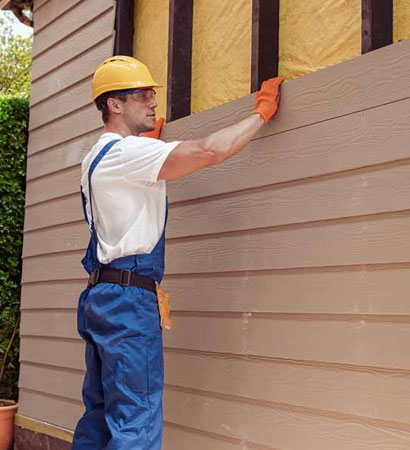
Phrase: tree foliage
(14, 115)
(15, 60)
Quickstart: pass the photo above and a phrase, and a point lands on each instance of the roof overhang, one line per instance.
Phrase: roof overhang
(17, 7)
(4, 4)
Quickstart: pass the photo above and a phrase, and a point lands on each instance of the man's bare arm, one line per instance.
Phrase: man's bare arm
(190, 156)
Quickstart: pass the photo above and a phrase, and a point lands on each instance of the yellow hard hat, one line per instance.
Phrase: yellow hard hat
(119, 73)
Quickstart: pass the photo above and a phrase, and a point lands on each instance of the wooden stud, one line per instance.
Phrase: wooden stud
(124, 28)
(377, 24)
(179, 59)
(265, 41)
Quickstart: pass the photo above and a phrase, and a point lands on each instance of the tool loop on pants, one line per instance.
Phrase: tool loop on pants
(94, 277)
(125, 277)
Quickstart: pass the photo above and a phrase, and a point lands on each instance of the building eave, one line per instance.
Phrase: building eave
(17, 7)
(5, 4)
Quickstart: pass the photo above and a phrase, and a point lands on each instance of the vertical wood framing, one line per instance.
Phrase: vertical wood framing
(265, 41)
(124, 28)
(179, 59)
(377, 24)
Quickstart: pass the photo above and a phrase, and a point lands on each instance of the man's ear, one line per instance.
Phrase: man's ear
(114, 105)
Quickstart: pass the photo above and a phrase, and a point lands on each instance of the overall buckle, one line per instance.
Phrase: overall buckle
(125, 277)
(94, 277)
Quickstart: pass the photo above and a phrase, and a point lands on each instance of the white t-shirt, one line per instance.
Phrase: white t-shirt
(128, 199)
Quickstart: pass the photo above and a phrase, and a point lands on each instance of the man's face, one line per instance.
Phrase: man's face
(138, 112)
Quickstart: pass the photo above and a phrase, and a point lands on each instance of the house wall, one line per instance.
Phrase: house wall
(288, 266)
(289, 271)
(71, 38)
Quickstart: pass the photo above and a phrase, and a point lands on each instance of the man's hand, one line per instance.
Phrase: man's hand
(155, 133)
(267, 99)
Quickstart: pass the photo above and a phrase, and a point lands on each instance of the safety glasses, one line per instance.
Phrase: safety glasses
(143, 95)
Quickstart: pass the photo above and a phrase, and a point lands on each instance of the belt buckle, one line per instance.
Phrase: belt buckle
(122, 280)
(93, 280)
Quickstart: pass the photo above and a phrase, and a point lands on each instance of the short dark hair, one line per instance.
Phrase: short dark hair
(101, 103)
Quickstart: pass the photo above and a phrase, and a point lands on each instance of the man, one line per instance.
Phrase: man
(124, 198)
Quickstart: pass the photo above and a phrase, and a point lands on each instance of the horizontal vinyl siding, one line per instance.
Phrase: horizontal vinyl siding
(288, 265)
(71, 38)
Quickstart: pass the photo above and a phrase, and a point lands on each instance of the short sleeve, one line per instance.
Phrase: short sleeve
(143, 157)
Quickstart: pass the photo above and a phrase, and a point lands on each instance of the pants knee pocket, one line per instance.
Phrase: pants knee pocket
(142, 363)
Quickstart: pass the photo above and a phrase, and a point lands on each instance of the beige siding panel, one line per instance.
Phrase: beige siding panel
(356, 290)
(65, 266)
(366, 290)
(57, 239)
(39, 189)
(285, 428)
(182, 438)
(63, 156)
(360, 391)
(345, 242)
(69, 23)
(84, 39)
(52, 380)
(337, 145)
(63, 210)
(369, 80)
(69, 100)
(365, 191)
(63, 323)
(68, 353)
(369, 191)
(384, 239)
(67, 128)
(369, 392)
(355, 339)
(359, 340)
(54, 410)
(60, 294)
(334, 197)
(37, 4)
(72, 72)
(51, 13)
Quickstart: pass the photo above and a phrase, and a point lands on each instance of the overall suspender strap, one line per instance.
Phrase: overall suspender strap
(93, 165)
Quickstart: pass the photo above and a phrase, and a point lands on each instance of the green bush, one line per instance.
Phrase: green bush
(14, 114)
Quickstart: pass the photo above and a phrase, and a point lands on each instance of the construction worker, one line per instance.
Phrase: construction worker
(122, 311)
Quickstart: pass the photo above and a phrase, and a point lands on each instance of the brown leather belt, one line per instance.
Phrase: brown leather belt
(122, 277)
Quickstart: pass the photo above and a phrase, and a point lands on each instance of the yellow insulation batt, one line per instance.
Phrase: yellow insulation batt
(401, 20)
(151, 43)
(316, 34)
(221, 50)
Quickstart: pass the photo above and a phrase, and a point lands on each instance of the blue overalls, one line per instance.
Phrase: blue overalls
(122, 390)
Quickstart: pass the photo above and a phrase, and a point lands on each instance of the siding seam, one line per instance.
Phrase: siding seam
(305, 410)
(244, 444)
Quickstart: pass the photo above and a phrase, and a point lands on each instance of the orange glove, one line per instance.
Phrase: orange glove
(267, 99)
(155, 133)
